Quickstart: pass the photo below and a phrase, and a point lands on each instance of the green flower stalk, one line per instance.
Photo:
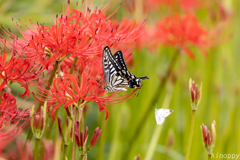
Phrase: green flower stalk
(209, 138)
(195, 97)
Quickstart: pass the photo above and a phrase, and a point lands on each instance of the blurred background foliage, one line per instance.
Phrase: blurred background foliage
(219, 73)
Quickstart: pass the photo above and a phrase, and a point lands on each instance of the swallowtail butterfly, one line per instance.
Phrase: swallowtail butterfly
(116, 74)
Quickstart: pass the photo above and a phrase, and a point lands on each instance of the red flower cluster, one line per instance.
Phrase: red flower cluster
(179, 31)
(61, 64)
(75, 35)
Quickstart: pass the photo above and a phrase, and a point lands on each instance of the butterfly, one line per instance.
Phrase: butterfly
(161, 114)
(116, 73)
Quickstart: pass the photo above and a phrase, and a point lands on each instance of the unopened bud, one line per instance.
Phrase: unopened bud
(195, 94)
(209, 137)
(38, 121)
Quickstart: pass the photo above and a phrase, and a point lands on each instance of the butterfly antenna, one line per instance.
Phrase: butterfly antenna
(154, 107)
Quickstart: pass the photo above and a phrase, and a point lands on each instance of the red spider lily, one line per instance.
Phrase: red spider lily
(69, 90)
(180, 31)
(74, 33)
(10, 112)
(185, 5)
(17, 70)
(13, 121)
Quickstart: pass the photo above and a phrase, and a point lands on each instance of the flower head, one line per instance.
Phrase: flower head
(179, 31)
(18, 70)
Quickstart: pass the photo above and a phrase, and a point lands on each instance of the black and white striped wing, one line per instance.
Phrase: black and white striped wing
(106, 65)
(119, 58)
(110, 70)
(117, 82)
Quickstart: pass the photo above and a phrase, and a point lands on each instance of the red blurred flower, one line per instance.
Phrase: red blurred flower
(10, 113)
(180, 31)
(13, 120)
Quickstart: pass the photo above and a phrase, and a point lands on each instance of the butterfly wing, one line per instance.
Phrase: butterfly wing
(105, 64)
(118, 82)
(119, 58)
(110, 69)
(160, 114)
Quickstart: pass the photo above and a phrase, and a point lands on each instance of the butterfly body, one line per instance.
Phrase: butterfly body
(161, 114)
(116, 73)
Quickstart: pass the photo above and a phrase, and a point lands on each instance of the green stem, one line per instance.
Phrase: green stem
(190, 135)
(74, 142)
(209, 156)
(50, 80)
(35, 155)
(49, 129)
(81, 157)
(157, 94)
(65, 148)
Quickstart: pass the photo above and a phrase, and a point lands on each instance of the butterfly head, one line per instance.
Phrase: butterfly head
(135, 83)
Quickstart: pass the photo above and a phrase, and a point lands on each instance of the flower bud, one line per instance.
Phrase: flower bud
(65, 134)
(209, 137)
(81, 138)
(137, 157)
(95, 137)
(38, 121)
(195, 94)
